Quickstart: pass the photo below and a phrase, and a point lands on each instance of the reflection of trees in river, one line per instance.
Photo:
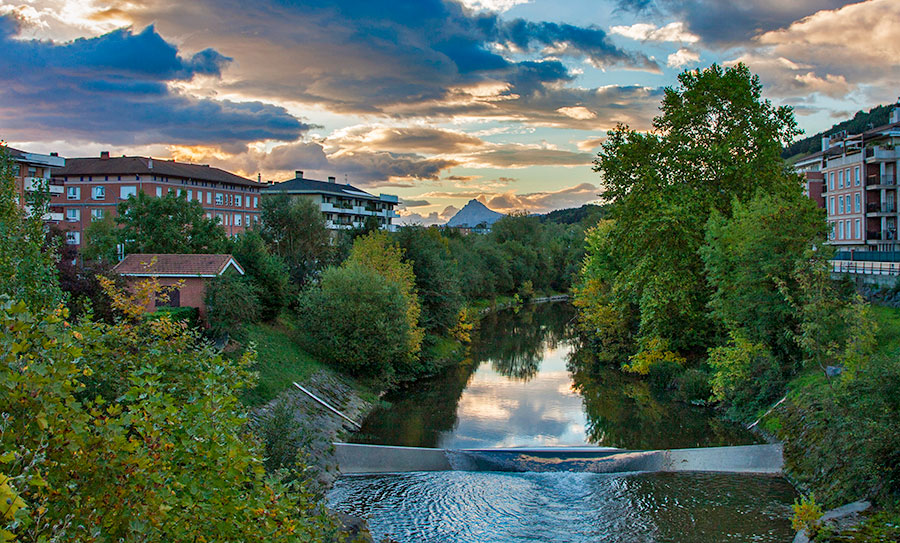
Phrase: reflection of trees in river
(624, 411)
(513, 342)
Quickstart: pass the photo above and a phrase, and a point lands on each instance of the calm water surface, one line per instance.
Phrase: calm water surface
(523, 384)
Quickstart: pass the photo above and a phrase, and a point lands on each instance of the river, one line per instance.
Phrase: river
(523, 385)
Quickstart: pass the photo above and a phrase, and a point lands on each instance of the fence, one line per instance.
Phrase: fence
(865, 268)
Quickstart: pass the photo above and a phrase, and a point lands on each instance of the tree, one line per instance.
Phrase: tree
(266, 271)
(27, 264)
(168, 224)
(231, 302)
(101, 241)
(716, 140)
(356, 319)
(295, 230)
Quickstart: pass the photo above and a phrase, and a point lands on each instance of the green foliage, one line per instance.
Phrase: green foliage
(356, 320)
(437, 280)
(266, 271)
(27, 265)
(132, 432)
(654, 351)
(188, 315)
(746, 377)
(752, 260)
(101, 241)
(231, 302)
(807, 515)
(295, 230)
(166, 225)
(694, 387)
(716, 140)
(587, 215)
(862, 121)
(882, 527)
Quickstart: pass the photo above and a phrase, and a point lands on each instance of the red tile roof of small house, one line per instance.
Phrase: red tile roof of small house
(176, 265)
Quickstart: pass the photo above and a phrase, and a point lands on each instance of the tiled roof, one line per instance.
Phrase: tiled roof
(178, 265)
(318, 187)
(137, 165)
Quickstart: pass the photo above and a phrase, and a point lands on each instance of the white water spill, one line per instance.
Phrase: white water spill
(568, 507)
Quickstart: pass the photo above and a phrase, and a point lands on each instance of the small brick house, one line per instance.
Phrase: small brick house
(192, 270)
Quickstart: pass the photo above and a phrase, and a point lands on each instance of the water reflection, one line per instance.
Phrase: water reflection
(524, 383)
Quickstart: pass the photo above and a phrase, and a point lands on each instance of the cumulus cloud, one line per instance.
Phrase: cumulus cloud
(590, 144)
(682, 57)
(520, 156)
(725, 23)
(115, 88)
(672, 32)
(832, 52)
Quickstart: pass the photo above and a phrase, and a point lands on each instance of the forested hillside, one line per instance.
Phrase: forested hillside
(860, 122)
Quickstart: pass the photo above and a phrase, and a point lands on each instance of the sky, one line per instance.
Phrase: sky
(436, 101)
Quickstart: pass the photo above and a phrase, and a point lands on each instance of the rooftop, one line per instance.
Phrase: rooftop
(176, 265)
(138, 165)
(302, 185)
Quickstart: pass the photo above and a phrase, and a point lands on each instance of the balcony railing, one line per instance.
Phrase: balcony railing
(882, 153)
(889, 179)
(881, 207)
(881, 235)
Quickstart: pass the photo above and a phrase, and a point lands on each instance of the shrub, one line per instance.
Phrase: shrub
(807, 516)
(231, 302)
(655, 351)
(746, 377)
(694, 387)
(187, 315)
(356, 320)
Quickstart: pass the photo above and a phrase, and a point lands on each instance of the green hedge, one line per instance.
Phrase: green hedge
(190, 315)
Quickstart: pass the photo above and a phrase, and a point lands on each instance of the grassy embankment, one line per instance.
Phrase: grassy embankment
(841, 438)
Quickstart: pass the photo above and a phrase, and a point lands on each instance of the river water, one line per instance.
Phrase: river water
(523, 385)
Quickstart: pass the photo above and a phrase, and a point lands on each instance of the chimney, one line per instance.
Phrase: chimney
(826, 141)
(331, 179)
(895, 112)
(150, 163)
(104, 155)
(259, 177)
(54, 153)
(298, 174)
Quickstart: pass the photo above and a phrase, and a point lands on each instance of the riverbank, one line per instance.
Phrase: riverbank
(841, 435)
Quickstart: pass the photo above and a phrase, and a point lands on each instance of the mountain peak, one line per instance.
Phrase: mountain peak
(473, 214)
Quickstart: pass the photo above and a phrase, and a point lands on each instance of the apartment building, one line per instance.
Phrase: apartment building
(93, 187)
(343, 205)
(33, 170)
(857, 174)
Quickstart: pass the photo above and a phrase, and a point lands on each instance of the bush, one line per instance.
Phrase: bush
(694, 387)
(655, 351)
(187, 315)
(356, 320)
(231, 301)
(746, 377)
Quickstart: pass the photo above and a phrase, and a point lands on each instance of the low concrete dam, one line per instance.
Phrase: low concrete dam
(358, 459)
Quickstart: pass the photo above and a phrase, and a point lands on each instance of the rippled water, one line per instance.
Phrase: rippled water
(523, 385)
(569, 507)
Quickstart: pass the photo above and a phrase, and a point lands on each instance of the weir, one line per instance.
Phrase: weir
(359, 459)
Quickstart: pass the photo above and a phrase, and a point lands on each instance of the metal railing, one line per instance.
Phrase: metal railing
(875, 179)
(881, 207)
(881, 235)
(868, 256)
(865, 268)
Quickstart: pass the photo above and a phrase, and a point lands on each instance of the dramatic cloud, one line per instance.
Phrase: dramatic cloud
(114, 88)
(532, 202)
(682, 57)
(404, 139)
(725, 22)
(520, 156)
(672, 32)
(429, 58)
(590, 144)
(833, 53)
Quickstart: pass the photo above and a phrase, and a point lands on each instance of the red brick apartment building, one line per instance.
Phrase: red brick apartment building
(32, 170)
(93, 187)
(854, 177)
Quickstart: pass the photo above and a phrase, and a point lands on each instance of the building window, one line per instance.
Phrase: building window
(255, 202)
(247, 220)
(237, 201)
(831, 203)
(73, 238)
(127, 191)
(840, 204)
(220, 199)
(841, 179)
(857, 226)
(237, 219)
(831, 181)
(96, 214)
(99, 192)
(73, 214)
(856, 176)
(190, 195)
(840, 229)
(208, 198)
(857, 202)
(73, 193)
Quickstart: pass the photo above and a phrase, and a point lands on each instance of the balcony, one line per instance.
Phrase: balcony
(875, 181)
(881, 235)
(33, 183)
(843, 160)
(882, 154)
(882, 208)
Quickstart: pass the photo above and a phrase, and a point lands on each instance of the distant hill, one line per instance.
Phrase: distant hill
(473, 214)
(860, 122)
(573, 215)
